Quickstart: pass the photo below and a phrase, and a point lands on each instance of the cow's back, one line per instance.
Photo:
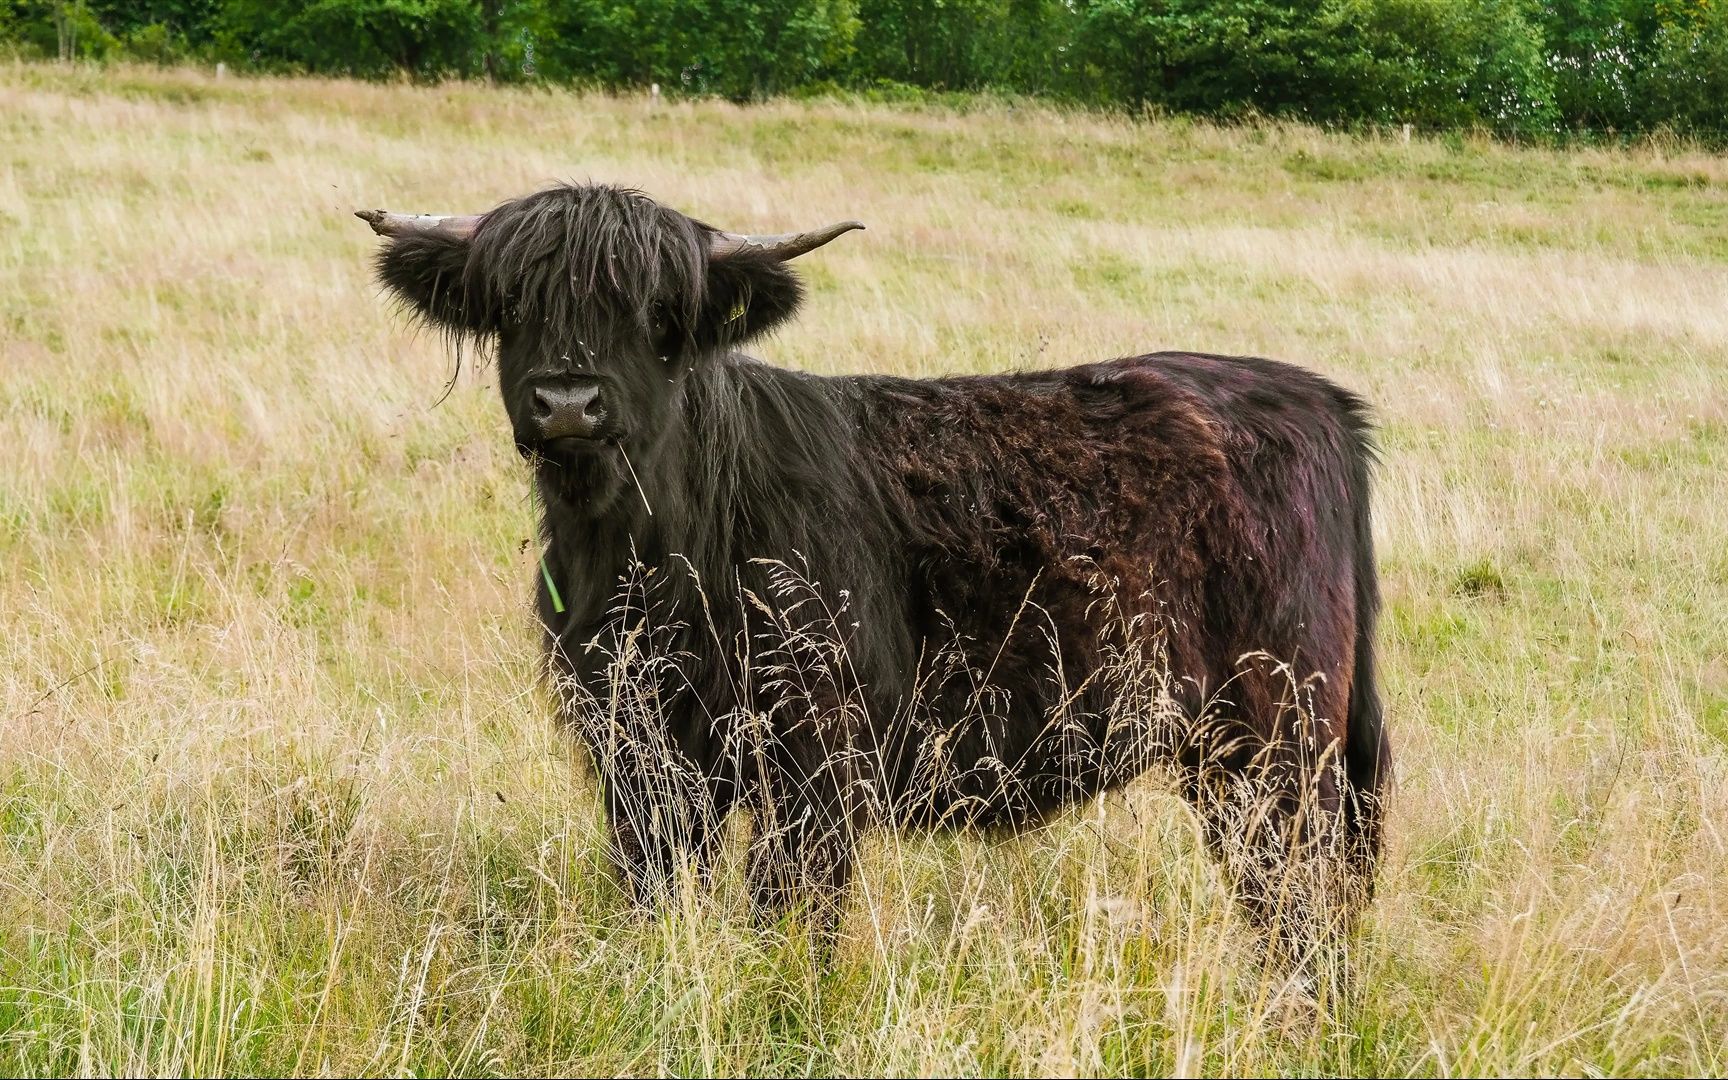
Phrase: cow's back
(1168, 512)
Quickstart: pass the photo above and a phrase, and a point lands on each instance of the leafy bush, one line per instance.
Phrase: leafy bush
(1212, 56)
(1517, 66)
(66, 31)
(1685, 85)
(737, 48)
(1597, 50)
(369, 38)
(962, 44)
(1436, 62)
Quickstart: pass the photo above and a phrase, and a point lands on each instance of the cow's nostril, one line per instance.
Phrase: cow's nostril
(562, 410)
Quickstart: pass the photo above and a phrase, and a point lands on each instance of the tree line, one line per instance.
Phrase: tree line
(1519, 67)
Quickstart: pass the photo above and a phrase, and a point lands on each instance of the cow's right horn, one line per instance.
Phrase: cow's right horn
(784, 246)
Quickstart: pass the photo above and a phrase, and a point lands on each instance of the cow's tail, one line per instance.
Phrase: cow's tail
(1367, 749)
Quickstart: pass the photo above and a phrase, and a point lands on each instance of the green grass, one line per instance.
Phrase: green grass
(277, 790)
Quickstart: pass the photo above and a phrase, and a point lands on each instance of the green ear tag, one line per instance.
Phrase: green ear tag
(737, 312)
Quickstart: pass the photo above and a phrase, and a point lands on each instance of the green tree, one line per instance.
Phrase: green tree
(1685, 85)
(962, 44)
(1214, 56)
(737, 48)
(1435, 62)
(368, 38)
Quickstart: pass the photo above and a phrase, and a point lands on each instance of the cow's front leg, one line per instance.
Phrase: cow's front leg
(659, 825)
(808, 822)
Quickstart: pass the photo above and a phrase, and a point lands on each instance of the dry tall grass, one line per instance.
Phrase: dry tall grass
(276, 791)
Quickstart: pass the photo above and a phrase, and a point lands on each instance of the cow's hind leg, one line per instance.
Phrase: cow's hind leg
(1273, 815)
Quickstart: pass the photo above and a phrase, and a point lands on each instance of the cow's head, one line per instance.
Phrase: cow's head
(600, 302)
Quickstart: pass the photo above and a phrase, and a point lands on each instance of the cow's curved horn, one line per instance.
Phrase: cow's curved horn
(384, 223)
(782, 247)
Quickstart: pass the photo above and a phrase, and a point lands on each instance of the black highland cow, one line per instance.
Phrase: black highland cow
(868, 600)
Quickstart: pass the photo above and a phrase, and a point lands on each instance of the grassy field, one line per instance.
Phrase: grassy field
(277, 789)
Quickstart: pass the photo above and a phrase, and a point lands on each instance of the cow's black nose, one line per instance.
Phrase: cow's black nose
(567, 410)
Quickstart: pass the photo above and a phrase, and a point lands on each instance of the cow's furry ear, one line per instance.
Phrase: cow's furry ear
(428, 272)
(747, 294)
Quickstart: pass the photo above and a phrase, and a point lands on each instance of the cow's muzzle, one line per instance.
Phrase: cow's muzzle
(567, 408)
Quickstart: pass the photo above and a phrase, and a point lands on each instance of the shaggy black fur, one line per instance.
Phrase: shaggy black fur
(848, 601)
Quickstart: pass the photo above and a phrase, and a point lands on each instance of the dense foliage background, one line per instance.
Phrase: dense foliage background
(1517, 66)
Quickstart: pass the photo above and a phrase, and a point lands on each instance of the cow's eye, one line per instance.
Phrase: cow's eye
(657, 322)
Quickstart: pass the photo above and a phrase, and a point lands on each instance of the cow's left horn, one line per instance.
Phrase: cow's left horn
(782, 247)
(385, 223)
